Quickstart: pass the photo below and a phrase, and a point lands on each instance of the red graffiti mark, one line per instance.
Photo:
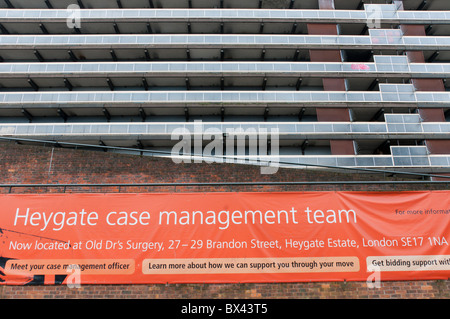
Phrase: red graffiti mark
(360, 66)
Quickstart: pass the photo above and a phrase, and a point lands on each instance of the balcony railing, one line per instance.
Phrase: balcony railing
(387, 66)
(389, 95)
(378, 39)
(396, 126)
(385, 13)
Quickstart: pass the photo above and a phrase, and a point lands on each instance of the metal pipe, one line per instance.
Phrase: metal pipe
(209, 184)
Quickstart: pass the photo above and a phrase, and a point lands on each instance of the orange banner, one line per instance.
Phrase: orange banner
(224, 237)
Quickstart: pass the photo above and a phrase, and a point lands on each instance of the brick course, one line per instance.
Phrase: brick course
(23, 164)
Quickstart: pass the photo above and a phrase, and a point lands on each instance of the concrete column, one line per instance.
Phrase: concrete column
(433, 114)
(338, 147)
(429, 114)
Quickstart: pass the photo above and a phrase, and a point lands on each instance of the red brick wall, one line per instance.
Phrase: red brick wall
(329, 290)
(34, 164)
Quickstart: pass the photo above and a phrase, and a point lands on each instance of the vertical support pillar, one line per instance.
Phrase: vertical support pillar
(338, 147)
(427, 114)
